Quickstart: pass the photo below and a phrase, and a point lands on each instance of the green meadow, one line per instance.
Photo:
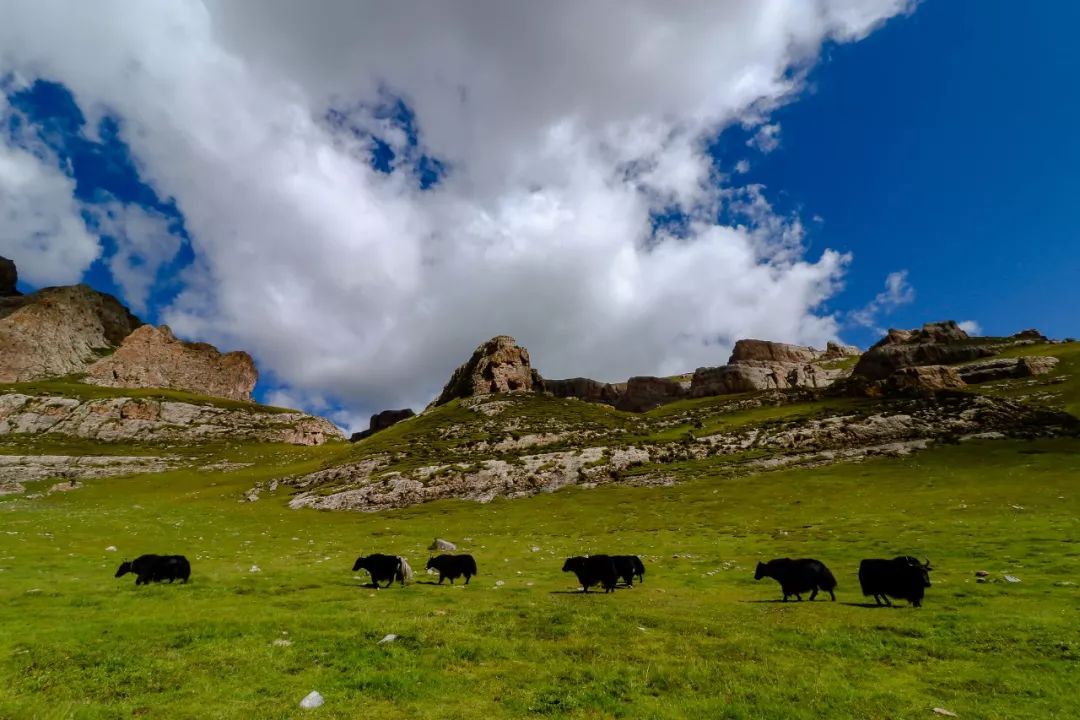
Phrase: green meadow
(699, 638)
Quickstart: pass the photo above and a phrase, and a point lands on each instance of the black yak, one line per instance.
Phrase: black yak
(155, 568)
(453, 567)
(902, 577)
(628, 567)
(593, 570)
(798, 576)
(385, 568)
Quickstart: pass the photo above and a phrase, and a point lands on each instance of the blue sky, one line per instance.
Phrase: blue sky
(941, 147)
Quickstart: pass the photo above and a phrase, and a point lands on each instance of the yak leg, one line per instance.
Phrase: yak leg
(467, 579)
(832, 595)
(441, 576)
(813, 594)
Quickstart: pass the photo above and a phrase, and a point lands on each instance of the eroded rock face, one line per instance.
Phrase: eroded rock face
(152, 357)
(924, 379)
(9, 276)
(747, 352)
(148, 420)
(381, 421)
(645, 393)
(584, 389)
(941, 343)
(1006, 368)
(498, 366)
(59, 331)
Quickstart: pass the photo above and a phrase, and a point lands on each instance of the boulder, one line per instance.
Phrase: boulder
(727, 379)
(381, 421)
(1031, 334)
(9, 277)
(152, 357)
(645, 393)
(923, 379)
(1006, 368)
(498, 366)
(59, 331)
(838, 351)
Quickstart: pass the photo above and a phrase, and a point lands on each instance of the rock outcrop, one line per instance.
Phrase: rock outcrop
(9, 278)
(644, 393)
(923, 379)
(940, 343)
(381, 421)
(1005, 368)
(583, 389)
(18, 469)
(125, 419)
(765, 365)
(152, 357)
(59, 331)
(498, 366)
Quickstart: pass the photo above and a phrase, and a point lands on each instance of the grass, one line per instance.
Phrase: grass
(71, 387)
(700, 638)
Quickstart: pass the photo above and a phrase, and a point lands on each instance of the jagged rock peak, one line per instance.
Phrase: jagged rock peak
(498, 366)
(57, 331)
(9, 277)
(937, 343)
(154, 357)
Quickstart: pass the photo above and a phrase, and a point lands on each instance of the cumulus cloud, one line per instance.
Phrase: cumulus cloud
(970, 327)
(564, 128)
(898, 291)
(40, 221)
(766, 139)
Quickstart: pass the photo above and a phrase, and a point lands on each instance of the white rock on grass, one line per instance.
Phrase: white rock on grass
(312, 700)
(388, 639)
(111, 548)
(255, 569)
(281, 642)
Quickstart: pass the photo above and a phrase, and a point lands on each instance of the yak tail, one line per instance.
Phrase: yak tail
(472, 565)
(405, 573)
(828, 580)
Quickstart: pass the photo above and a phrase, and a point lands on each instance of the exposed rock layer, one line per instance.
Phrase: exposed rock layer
(1006, 368)
(152, 357)
(59, 331)
(126, 419)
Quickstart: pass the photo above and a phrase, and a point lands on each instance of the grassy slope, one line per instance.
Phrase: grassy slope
(698, 638)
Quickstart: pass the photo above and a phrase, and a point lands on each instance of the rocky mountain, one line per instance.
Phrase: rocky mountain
(59, 338)
(498, 366)
(152, 357)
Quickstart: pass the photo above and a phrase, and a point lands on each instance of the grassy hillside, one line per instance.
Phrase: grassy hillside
(700, 638)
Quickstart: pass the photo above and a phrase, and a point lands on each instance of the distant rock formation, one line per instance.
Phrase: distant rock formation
(9, 277)
(152, 357)
(498, 366)
(58, 331)
(583, 389)
(765, 365)
(381, 421)
(644, 393)
(939, 343)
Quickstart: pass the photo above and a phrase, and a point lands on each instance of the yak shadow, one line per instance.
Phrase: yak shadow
(868, 605)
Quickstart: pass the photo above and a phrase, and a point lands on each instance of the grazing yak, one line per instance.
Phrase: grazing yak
(385, 568)
(593, 570)
(627, 567)
(798, 576)
(453, 567)
(155, 568)
(902, 577)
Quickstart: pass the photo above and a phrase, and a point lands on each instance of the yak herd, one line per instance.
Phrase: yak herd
(901, 577)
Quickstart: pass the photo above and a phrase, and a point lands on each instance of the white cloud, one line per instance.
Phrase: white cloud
(766, 139)
(970, 327)
(742, 167)
(564, 124)
(898, 291)
(40, 224)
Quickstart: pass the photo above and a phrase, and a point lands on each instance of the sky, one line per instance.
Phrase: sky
(360, 193)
